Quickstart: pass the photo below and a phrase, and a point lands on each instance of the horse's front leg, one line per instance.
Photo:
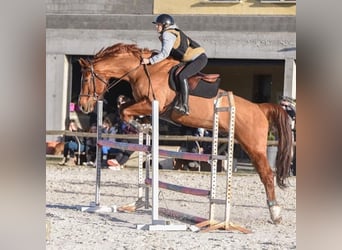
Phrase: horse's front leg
(142, 108)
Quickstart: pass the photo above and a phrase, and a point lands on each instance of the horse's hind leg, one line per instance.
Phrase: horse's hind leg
(257, 154)
(261, 164)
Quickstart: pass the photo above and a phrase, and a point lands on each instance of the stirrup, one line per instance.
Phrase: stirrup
(183, 110)
(178, 105)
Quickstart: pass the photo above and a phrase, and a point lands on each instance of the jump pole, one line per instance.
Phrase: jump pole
(157, 224)
(94, 207)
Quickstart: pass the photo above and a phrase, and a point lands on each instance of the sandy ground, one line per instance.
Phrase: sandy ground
(67, 188)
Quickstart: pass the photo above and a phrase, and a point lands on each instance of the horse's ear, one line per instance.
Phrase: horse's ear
(83, 62)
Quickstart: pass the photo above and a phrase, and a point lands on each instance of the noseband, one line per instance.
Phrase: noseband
(107, 85)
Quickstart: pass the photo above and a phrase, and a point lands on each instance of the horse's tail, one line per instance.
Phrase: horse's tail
(278, 116)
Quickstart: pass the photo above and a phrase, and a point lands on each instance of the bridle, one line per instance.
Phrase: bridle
(108, 85)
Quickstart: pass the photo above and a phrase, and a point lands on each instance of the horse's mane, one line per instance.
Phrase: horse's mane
(119, 48)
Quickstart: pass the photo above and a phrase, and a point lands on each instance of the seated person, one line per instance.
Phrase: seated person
(187, 146)
(289, 105)
(108, 128)
(71, 145)
(122, 156)
(91, 147)
(206, 146)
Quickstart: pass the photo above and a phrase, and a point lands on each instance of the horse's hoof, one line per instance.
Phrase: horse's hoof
(136, 125)
(277, 221)
(140, 203)
(146, 129)
(275, 214)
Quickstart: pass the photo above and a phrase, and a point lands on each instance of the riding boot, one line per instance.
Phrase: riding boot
(179, 101)
(182, 106)
(185, 97)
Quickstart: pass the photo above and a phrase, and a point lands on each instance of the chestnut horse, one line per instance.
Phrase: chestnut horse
(149, 82)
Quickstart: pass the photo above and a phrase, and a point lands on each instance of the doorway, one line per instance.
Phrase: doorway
(262, 88)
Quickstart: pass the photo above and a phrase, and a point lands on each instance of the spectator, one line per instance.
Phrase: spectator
(206, 146)
(187, 146)
(289, 105)
(110, 129)
(122, 156)
(91, 147)
(71, 144)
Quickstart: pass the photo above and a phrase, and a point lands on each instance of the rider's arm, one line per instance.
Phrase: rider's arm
(168, 40)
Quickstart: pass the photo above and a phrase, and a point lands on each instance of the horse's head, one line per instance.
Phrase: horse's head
(117, 61)
(93, 86)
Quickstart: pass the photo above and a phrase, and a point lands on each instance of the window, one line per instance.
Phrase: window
(220, 1)
(278, 1)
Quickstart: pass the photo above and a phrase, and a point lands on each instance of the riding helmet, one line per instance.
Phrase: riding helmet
(165, 20)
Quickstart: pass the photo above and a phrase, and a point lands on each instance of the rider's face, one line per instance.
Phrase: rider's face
(159, 27)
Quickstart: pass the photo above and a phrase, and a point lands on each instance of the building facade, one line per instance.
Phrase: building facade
(251, 43)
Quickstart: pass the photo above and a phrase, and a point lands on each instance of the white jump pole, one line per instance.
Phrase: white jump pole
(95, 206)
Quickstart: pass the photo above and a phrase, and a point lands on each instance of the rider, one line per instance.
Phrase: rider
(179, 46)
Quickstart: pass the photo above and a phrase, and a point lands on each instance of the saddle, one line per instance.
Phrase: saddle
(203, 85)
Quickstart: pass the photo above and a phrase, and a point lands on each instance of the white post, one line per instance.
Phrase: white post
(147, 171)
(95, 206)
(230, 157)
(140, 167)
(155, 157)
(98, 151)
(157, 224)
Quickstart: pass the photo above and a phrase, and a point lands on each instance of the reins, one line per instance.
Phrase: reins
(110, 85)
(149, 82)
(113, 84)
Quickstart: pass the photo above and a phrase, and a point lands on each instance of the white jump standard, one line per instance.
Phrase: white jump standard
(201, 223)
(95, 206)
(156, 223)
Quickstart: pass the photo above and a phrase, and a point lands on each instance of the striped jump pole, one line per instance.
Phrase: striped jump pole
(161, 152)
(180, 189)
